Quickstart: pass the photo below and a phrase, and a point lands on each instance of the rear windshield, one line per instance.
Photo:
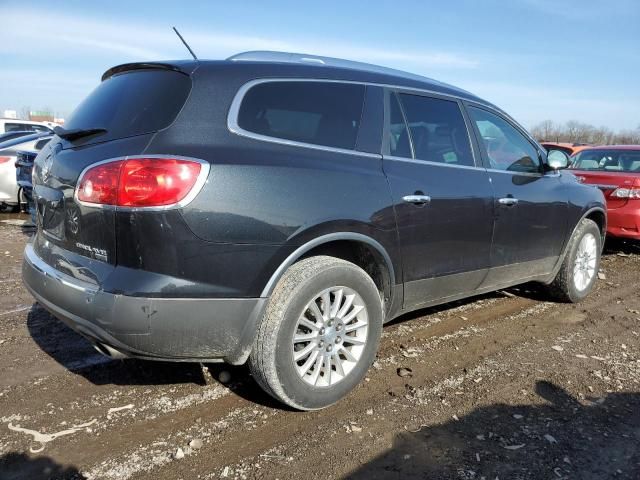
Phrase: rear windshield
(132, 103)
(321, 113)
(608, 160)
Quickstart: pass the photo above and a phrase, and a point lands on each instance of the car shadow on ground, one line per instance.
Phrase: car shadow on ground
(242, 384)
(77, 355)
(16, 466)
(597, 438)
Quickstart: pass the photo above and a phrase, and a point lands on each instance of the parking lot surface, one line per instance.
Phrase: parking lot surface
(506, 385)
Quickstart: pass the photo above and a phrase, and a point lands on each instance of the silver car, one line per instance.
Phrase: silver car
(8, 155)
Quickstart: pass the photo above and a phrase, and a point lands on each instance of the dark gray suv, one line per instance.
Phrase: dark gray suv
(279, 208)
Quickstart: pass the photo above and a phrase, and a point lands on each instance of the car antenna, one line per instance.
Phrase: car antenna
(185, 44)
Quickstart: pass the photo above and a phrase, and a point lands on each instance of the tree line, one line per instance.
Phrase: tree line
(574, 131)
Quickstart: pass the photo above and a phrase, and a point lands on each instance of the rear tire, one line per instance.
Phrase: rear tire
(579, 270)
(319, 334)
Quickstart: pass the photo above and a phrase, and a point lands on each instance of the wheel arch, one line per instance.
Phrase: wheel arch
(599, 216)
(358, 248)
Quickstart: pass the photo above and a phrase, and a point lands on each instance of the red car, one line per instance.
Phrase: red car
(615, 169)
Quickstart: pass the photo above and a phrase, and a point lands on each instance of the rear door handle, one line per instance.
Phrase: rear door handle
(508, 201)
(417, 199)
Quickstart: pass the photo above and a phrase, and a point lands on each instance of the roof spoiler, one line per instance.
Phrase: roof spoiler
(128, 67)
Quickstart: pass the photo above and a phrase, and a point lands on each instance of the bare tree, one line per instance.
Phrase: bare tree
(546, 130)
(574, 131)
(25, 113)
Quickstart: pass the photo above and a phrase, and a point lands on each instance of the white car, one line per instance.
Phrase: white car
(8, 184)
(14, 125)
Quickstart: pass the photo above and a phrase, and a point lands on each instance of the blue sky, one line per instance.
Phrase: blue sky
(537, 59)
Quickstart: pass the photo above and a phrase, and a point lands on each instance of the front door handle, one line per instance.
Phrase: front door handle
(508, 201)
(417, 199)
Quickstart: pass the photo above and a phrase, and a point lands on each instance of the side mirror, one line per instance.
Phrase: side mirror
(557, 159)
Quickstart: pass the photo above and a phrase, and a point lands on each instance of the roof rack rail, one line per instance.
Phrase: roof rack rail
(302, 58)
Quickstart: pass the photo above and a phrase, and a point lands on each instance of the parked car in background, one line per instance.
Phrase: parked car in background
(278, 208)
(24, 169)
(614, 169)
(13, 125)
(4, 137)
(568, 148)
(9, 189)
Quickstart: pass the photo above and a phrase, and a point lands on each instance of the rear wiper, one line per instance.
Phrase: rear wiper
(78, 132)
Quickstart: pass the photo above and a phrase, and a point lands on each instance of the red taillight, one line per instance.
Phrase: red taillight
(626, 193)
(5, 159)
(139, 182)
(100, 184)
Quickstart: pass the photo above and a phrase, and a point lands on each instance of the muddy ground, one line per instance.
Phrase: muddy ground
(507, 385)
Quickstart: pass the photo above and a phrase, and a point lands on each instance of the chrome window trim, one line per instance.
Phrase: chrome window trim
(234, 109)
(197, 187)
(436, 164)
(511, 172)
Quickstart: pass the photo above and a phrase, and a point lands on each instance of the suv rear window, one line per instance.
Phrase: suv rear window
(608, 160)
(132, 103)
(321, 113)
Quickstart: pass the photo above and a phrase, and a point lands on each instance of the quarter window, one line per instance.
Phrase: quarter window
(506, 148)
(321, 113)
(437, 130)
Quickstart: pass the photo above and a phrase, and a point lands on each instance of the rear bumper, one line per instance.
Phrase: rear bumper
(175, 329)
(624, 222)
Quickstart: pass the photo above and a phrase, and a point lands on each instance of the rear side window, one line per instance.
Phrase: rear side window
(132, 103)
(437, 130)
(320, 113)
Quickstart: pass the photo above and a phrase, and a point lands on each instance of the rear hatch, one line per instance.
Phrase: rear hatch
(117, 119)
(608, 182)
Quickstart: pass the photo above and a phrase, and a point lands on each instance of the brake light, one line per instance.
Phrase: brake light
(5, 159)
(626, 193)
(139, 182)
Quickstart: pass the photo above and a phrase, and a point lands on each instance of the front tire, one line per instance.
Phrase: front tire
(579, 270)
(319, 334)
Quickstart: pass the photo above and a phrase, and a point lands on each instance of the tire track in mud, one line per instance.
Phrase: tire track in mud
(413, 407)
(448, 349)
(158, 426)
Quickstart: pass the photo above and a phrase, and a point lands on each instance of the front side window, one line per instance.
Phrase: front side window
(437, 130)
(507, 149)
(320, 113)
